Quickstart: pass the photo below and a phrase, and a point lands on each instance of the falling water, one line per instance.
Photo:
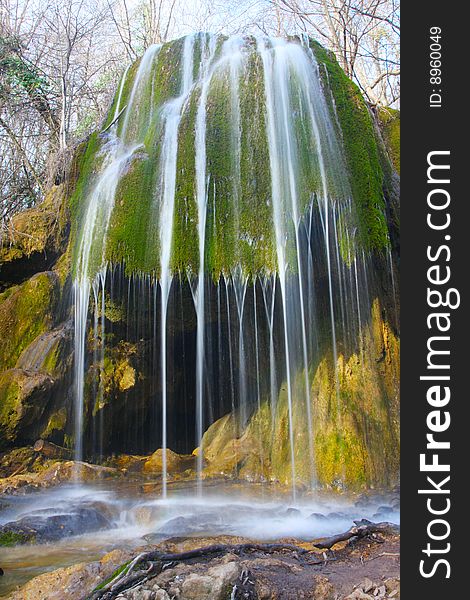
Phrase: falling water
(171, 117)
(257, 330)
(201, 195)
(95, 225)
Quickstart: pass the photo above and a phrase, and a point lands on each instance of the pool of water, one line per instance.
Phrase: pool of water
(138, 515)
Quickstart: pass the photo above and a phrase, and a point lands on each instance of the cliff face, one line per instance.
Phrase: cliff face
(296, 334)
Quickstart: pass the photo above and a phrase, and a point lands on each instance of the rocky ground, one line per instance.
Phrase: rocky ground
(365, 570)
(363, 565)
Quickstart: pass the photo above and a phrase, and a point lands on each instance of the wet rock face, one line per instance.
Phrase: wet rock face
(35, 239)
(72, 583)
(52, 474)
(175, 463)
(24, 396)
(355, 441)
(36, 362)
(41, 526)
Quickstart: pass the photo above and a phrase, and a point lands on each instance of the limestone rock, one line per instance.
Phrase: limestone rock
(175, 463)
(72, 583)
(27, 312)
(215, 585)
(323, 589)
(24, 396)
(56, 473)
(44, 527)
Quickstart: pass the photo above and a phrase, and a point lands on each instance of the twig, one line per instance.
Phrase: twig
(115, 119)
(384, 554)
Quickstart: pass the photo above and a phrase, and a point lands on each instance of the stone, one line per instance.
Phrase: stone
(215, 585)
(175, 463)
(317, 517)
(72, 583)
(54, 474)
(41, 526)
(359, 595)
(323, 588)
(129, 462)
(366, 585)
(392, 584)
(292, 512)
(24, 396)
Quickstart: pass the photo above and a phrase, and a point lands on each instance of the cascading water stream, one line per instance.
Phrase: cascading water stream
(201, 197)
(95, 226)
(171, 115)
(249, 220)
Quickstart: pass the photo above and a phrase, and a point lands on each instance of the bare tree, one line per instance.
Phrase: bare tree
(363, 34)
(60, 61)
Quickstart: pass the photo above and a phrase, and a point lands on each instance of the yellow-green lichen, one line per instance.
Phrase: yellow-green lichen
(28, 312)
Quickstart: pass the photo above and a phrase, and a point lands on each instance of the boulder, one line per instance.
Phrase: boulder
(42, 526)
(216, 584)
(26, 312)
(35, 238)
(175, 463)
(24, 397)
(55, 474)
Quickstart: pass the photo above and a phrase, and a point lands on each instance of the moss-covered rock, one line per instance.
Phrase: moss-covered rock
(24, 396)
(51, 473)
(356, 423)
(118, 374)
(41, 229)
(55, 424)
(175, 463)
(14, 538)
(27, 313)
(389, 121)
(360, 147)
(239, 222)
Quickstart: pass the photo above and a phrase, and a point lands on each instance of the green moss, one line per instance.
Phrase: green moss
(42, 228)
(239, 225)
(52, 359)
(223, 192)
(389, 121)
(355, 440)
(256, 238)
(10, 405)
(8, 292)
(63, 266)
(114, 312)
(87, 165)
(360, 145)
(25, 314)
(23, 398)
(56, 423)
(117, 572)
(132, 234)
(12, 538)
(185, 252)
(69, 441)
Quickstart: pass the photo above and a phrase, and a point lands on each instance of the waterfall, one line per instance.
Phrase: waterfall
(171, 115)
(95, 226)
(224, 187)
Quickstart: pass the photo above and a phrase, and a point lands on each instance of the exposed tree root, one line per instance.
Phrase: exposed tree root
(157, 561)
(149, 564)
(362, 529)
